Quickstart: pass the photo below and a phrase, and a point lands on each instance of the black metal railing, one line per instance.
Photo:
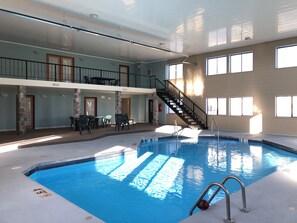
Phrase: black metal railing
(36, 70)
(187, 104)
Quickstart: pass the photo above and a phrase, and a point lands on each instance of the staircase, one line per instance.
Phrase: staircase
(183, 106)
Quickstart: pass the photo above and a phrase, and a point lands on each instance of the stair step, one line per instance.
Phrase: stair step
(180, 108)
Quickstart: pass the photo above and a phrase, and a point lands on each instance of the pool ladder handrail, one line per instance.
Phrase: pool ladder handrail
(214, 123)
(221, 186)
(176, 130)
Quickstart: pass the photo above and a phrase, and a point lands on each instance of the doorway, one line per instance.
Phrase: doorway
(151, 110)
(126, 106)
(60, 68)
(90, 104)
(30, 114)
(124, 75)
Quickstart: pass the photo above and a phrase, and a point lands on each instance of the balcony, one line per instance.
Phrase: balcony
(50, 72)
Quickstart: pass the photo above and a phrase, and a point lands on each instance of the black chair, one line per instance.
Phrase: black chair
(71, 121)
(118, 122)
(115, 82)
(87, 80)
(121, 121)
(125, 121)
(85, 122)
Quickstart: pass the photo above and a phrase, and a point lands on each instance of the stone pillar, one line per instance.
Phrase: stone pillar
(118, 102)
(76, 103)
(21, 110)
(155, 109)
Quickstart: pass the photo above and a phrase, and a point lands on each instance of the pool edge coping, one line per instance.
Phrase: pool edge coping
(59, 163)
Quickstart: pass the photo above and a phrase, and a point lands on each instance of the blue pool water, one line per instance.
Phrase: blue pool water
(162, 181)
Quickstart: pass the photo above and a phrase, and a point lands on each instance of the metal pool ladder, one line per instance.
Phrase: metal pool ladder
(221, 186)
(214, 123)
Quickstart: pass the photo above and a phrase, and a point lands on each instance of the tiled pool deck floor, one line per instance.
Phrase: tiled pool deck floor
(272, 199)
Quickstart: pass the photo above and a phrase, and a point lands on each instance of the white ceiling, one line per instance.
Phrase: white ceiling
(146, 30)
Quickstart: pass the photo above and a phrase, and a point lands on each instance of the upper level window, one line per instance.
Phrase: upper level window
(241, 106)
(176, 71)
(242, 62)
(217, 65)
(175, 75)
(286, 56)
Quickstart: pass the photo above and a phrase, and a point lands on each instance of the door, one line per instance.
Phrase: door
(30, 108)
(53, 68)
(124, 75)
(151, 110)
(67, 71)
(126, 106)
(90, 106)
(60, 68)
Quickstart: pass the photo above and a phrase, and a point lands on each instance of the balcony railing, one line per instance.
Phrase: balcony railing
(35, 70)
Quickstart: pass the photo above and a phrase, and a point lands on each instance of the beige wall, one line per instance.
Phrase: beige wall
(264, 83)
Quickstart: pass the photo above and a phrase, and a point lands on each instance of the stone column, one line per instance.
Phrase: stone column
(76, 103)
(118, 102)
(155, 109)
(21, 110)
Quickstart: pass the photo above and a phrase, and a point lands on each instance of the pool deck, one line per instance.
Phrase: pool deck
(272, 199)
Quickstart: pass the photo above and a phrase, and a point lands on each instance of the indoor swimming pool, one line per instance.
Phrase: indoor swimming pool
(163, 179)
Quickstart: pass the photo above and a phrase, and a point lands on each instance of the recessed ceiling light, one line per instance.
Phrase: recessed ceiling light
(94, 16)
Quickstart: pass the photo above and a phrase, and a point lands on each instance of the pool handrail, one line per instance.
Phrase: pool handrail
(243, 194)
(228, 210)
(213, 122)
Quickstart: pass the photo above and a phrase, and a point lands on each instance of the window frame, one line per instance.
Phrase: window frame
(293, 107)
(217, 106)
(242, 111)
(216, 57)
(241, 59)
(176, 73)
(277, 56)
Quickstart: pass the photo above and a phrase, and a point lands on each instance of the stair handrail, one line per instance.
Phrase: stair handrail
(228, 209)
(185, 96)
(160, 82)
(194, 105)
(243, 194)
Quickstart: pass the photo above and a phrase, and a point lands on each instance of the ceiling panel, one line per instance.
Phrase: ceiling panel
(145, 31)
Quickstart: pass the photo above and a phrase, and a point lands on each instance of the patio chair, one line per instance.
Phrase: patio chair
(107, 120)
(125, 120)
(71, 121)
(87, 80)
(115, 82)
(118, 122)
(85, 122)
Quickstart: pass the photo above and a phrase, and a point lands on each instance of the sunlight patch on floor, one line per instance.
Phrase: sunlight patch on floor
(15, 145)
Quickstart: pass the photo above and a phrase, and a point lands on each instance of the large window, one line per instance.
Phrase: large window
(175, 71)
(242, 62)
(217, 65)
(216, 106)
(176, 74)
(286, 106)
(286, 56)
(241, 106)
